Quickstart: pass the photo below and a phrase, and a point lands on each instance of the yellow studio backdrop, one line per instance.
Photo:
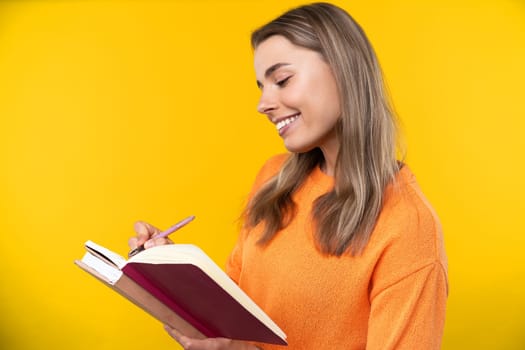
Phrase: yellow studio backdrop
(114, 111)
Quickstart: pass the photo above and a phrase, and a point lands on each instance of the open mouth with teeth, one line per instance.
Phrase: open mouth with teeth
(285, 122)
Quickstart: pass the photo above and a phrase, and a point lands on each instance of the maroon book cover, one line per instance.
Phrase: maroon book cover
(198, 299)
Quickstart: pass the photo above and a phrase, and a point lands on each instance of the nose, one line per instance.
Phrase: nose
(267, 102)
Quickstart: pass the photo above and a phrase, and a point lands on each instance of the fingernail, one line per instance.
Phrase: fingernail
(149, 244)
(139, 228)
(185, 342)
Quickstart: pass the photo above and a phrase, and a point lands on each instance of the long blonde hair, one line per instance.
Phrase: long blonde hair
(366, 161)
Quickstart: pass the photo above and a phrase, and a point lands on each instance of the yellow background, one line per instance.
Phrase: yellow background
(124, 110)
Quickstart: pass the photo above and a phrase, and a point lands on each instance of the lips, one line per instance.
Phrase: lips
(286, 121)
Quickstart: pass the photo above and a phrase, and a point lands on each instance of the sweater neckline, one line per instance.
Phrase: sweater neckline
(319, 177)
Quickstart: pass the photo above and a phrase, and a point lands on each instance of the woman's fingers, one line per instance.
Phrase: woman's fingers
(144, 231)
(208, 343)
(175, 334)
(157, 241)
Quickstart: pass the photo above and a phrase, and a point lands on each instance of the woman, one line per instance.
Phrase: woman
(339, 245)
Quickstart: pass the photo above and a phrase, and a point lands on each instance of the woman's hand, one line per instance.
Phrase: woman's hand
(146, 236)
(209, 343)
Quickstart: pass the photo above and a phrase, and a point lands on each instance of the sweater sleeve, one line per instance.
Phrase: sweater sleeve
(234, 262)
(269, 169)
(409, 287)
(410, 314)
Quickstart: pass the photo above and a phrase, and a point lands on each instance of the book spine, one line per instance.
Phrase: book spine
(143, 281)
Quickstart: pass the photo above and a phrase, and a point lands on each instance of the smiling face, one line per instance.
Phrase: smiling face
(299, 95)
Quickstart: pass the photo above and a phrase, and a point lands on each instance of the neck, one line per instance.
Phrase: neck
(330, 157)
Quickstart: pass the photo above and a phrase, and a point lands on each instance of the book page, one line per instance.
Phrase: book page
(111, 273)
(106, 254)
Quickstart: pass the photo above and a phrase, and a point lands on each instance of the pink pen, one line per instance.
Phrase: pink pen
(165, 233)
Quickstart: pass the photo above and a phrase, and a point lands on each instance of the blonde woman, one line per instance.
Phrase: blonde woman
(339, 245)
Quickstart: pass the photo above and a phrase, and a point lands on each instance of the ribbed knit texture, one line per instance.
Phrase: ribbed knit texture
(392, 296)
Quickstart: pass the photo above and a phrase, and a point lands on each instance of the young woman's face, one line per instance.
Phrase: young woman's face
(299, 95)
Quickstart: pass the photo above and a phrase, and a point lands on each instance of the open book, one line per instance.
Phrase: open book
(182, 287)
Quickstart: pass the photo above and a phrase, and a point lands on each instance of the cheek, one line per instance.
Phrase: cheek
(329, 98)
(294, 97)
(327, 94)
(314, 97)
(333, 105)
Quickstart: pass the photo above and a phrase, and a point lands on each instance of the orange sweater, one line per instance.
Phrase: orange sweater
(392, 296)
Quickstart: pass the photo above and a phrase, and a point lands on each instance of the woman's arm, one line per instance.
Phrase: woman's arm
(410, 314)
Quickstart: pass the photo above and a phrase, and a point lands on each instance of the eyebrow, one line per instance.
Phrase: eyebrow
(272, 69)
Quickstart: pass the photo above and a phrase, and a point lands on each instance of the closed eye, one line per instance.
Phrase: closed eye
(283, 82)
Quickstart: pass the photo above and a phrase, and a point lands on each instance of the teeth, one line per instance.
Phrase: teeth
(286, 121)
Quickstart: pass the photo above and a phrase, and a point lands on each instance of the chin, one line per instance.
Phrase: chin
(294, 148)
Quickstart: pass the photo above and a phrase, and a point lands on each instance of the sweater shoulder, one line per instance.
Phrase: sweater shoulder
(270, 168)
(408, 236)
(409, 223)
